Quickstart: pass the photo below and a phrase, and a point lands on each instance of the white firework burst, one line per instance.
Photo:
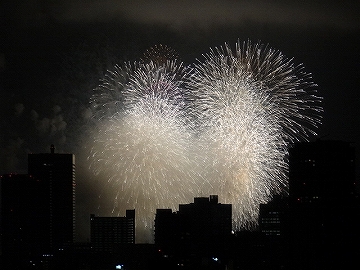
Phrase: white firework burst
(142, 143)
(164, 133)
(249, 105)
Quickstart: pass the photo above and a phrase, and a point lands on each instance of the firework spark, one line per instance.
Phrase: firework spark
(160, 55)
(165, 134)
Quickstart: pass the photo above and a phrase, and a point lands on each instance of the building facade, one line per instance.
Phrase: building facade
(197, 235)
(109, 234)
(57, 173)
(321, 171)
(23, 219)
(323, 204)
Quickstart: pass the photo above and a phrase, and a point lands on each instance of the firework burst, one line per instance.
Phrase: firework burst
(249, 105)
(164, 133)
(142, 140)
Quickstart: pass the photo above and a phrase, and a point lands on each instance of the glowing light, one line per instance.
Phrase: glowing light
(164, 133)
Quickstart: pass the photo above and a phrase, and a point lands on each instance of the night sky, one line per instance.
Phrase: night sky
(53, 54)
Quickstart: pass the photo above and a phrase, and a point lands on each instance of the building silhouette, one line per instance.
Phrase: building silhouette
(23, 219)
(197, 235)
(167, 229)
(274, 233)
(272, 217)
(57, 173)
(38, 211)
(323, 205)
(322, 171)
(315, 227)
(109, 234)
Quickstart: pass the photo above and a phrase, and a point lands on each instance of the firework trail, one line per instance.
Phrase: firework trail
(249, 105)
(164, 133)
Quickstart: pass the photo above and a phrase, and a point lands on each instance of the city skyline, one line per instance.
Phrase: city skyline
(330, 161)
(317, 219)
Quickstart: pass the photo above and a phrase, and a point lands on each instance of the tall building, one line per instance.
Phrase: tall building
(272, 249)
(166, 228)
(323, 206)
(321, 171)
(22, 219)
(109, 234)
(272, 217)
(205, 219)
(57, 173)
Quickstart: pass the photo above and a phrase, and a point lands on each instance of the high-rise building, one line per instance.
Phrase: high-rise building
(323, 205)
(166, 228)
(22, 219)
(321, 171)
(272, 217)
(109, 234)
(205, 219)
(57, 173)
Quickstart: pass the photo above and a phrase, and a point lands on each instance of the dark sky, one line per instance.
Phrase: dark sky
(53, 54)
